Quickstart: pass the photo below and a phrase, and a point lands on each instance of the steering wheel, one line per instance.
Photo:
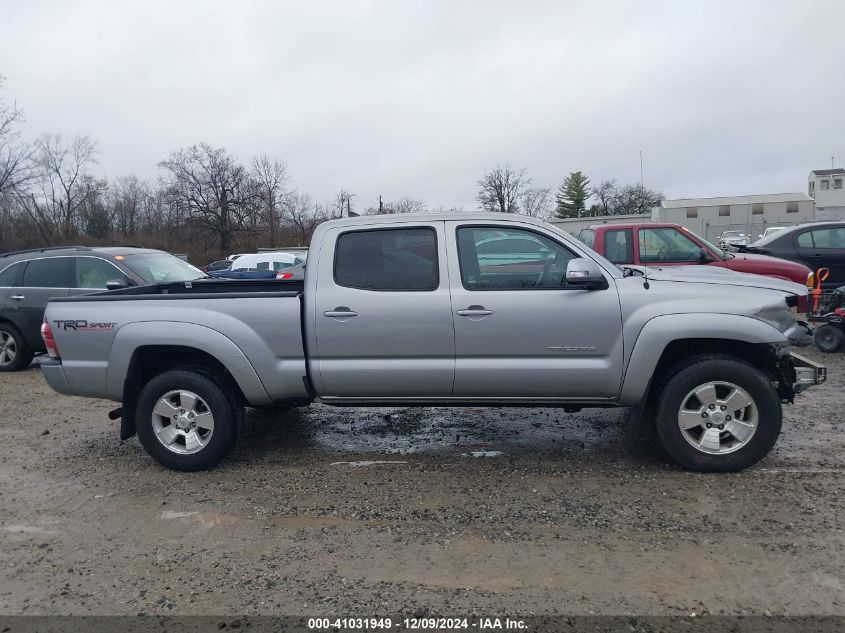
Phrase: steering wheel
(546, 267)
(661, 253)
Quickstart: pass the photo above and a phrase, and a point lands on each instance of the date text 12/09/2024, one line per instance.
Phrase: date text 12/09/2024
(413, 624)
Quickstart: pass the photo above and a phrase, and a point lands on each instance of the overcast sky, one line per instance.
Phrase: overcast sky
(420, 98)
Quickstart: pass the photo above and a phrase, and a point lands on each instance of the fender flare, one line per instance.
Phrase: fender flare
(132, 336)
(662, 330)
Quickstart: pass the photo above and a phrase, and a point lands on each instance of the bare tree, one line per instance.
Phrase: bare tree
(271, 180)
(636, 199)
(405, 204)
(209, 184)
(300, 215)
(16, 166)
(128, 195)
(62, 166)
(341, 202)
(95, 214)
(605, 193)
(501, 187)
(537, 202)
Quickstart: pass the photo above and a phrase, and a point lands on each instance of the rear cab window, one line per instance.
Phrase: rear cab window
(387, 259)
(619, 246)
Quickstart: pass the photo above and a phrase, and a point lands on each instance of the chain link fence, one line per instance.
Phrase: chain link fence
(754, 230)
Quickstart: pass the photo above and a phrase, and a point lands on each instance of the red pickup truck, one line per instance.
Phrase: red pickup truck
(654, 244)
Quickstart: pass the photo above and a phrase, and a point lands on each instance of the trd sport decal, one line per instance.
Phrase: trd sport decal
(82, 324)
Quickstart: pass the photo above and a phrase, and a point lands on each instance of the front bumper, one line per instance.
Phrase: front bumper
(807, 372)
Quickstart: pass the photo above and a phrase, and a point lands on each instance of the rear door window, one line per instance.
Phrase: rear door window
(833, 237)
(50, 272)
(618, 246)
(10, 276)
(387, 259)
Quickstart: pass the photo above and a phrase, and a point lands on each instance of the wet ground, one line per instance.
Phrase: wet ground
(325, 511)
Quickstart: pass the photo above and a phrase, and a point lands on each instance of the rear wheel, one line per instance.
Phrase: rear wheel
(829, 338)
(718, 414)
(186, 420)
(15, 354)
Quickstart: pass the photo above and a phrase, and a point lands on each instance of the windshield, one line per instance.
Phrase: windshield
(719, 252)
(157, 268)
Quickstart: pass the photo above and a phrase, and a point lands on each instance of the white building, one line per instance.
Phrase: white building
(752, 214)
(709, 217)
(825, 186)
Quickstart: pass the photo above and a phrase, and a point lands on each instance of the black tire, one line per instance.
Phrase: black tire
(217, 397)
(23, 352)
(701, 370)
(829, 338)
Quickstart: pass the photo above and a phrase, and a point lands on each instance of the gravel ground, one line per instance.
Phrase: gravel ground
(324, 511)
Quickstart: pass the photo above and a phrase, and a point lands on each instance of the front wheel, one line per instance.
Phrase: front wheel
(186, 420)
(718, 414)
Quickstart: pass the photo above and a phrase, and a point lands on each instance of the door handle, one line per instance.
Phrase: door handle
(475, 311)
(18, 297)
(340, 312)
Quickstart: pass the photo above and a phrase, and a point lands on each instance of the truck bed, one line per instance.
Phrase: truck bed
(253, 328)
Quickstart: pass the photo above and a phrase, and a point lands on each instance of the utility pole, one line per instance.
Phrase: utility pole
(380, 205)
(641, 169)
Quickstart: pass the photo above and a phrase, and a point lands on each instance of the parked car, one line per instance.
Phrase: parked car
(654, 244)
(29, 278)
(213, 267)
(409, 311)
(265, 265)
(732, 240)
(817, 245)
(771, 231)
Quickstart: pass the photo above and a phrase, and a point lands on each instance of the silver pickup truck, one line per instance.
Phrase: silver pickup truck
(442, 310)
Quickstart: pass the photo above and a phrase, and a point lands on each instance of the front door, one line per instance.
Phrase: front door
(383, 314)
(520, 331)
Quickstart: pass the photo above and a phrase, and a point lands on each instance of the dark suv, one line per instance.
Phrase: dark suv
(29, 278)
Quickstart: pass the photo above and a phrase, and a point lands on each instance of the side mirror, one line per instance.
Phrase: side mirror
(585, 273)
(704, 256)
(115, 284)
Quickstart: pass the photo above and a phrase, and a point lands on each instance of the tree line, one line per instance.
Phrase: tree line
(505, 189)
(207, 203)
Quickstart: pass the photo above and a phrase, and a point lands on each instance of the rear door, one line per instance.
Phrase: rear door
(43, 279)
(520, 331)
(824, 248)
(383, 313)
(10, 308)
